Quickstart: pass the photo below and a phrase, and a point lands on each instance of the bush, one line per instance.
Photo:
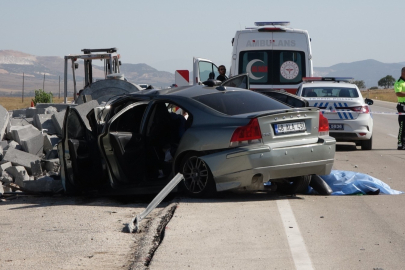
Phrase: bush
(374, 88)
(42, 97)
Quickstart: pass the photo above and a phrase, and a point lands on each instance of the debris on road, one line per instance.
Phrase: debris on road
(28, 154)
(133, 226)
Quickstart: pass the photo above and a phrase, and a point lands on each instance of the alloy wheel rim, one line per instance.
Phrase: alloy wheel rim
(195, 173)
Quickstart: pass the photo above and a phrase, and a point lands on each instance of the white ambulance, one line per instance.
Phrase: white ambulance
(274, 55)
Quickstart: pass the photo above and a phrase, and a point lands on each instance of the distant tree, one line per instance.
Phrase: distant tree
(42, 97)
(374, 88)
(386, 82)
(360, 84)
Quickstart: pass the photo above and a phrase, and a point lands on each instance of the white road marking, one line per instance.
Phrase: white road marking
(392, 135)
(295, 241)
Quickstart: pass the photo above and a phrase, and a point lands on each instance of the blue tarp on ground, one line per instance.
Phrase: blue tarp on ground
(351, 183)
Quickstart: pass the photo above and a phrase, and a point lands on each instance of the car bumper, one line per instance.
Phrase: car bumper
(353, 130)
(243, 167)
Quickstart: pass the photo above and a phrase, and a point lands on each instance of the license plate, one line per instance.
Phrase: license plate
(335, 126)
(289, 127)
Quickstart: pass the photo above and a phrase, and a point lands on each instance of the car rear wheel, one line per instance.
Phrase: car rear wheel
(367, 145)
(295, 185)
(198, 179)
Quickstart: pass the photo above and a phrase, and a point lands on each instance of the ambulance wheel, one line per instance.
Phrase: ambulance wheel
(367, 145)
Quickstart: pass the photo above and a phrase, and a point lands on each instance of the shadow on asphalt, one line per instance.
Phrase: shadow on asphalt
(34, 201)
(349, 147)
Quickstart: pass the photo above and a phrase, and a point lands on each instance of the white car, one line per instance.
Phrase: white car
(343, 105)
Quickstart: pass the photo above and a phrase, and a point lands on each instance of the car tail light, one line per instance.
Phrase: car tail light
(248, 134)
(361, 109)
(323, 125)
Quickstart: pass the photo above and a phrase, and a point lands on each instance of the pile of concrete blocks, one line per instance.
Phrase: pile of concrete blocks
(28, 148)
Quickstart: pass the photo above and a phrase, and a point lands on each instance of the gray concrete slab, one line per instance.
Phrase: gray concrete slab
(21, 158)
(44, 184)
(30, 138)
(49, 142)
(43, 122)
(31, 112)
(4, 119)
(51, 110)
(13, 144)
(57, 120)
(19, 174)
(4, 144)
(5, 177)
(4, 166)
(19, 113)
(59, 106)
(20, 121)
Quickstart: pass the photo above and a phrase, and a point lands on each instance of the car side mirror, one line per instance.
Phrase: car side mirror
(369, 101)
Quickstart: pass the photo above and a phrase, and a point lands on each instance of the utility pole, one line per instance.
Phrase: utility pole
(43, 84)
(59, 86)
(22, 100)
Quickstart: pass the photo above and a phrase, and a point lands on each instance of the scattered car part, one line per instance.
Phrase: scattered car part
(133, 226)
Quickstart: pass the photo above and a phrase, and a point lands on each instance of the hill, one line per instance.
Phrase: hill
(370, 71)
(13, 64)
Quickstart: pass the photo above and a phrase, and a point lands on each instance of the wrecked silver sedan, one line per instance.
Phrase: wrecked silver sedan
(219, 138)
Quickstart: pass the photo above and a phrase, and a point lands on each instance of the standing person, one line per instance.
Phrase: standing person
(222, 77)
(399, 88)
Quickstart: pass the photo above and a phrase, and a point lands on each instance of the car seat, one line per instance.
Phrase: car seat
(211, 75)
(344, 93)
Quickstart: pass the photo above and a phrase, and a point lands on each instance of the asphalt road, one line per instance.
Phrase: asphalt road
(234, 230)
(267, 231)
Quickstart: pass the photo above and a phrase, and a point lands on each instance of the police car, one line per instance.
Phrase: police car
(343, 105)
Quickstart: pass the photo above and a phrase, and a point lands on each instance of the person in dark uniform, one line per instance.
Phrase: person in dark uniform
(222, 77)
(399, 88)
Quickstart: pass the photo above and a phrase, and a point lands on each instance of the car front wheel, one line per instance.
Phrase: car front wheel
(198, 179)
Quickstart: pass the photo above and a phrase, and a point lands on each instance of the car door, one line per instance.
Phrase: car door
(123, 145)
(203, 70)
(240, 81)
(81, 163)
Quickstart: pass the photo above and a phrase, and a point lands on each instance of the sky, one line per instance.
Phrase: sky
(168, 34)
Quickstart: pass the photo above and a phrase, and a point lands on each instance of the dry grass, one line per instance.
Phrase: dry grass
(381, 94)
(13, 103)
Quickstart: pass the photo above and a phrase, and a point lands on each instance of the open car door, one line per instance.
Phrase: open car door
(203, 70)
(81, 163)
(240, 81)
(123, 145)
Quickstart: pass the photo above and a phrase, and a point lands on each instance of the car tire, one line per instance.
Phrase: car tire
(198, 180)
(295, 185)
(367, 145)
(320, 186)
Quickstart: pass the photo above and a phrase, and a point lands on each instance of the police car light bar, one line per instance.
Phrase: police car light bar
(272, 23)
(326, 79)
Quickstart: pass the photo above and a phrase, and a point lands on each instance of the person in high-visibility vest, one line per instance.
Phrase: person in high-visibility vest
(399, 88)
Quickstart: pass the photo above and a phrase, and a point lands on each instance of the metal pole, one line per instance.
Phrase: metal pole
(22, 100)
(43, 84)
(59, 86)
(65, 82)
